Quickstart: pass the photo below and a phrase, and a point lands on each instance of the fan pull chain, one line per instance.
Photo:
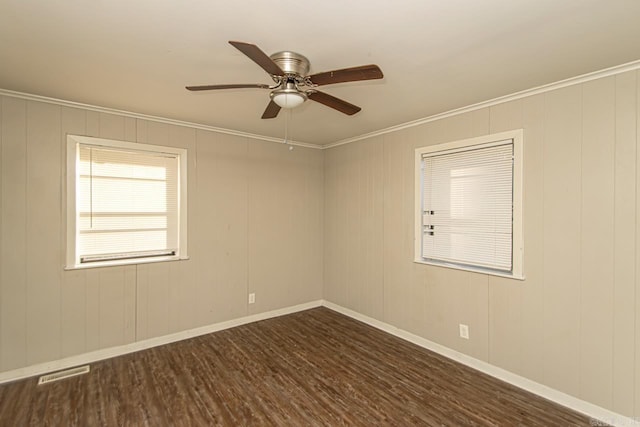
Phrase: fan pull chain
(287, 118)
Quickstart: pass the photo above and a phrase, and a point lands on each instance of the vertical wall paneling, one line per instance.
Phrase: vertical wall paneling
(329, 223)
(572, 323)
(295, 226)
(220, 243)
(597, 241)
(352, 230)
(349, 240)
(345, 201)
(357, 261)
(13, 279)
(455, 297)
(92, 284)
(532, 289)
(155, 291)
(480, 122)
(368, 221)
(92, 311)
(460, 126)
(344, 197)
(130, 131)
(141, 130)
(47, 313)
(93, 123)
(279, 236)
(309, 203)
(43, 221)
(142, 282)
(1, 180)
(158, 280)
(73, 287)
(637, 269)
(142, 302)
(111, 319)
(418, 292)
(397, 259)
(418, 286)
(157, 133)
(114, 289)
(111, 126)
(269, 181)
(333, 250)
(562, 206)
(506, 116)
(73, 313)
(182, 284)
(180, 287)
(505, 295)
(131, 286)
(374, 252)
(165, 290)
(130, 300)
(624, 244)
(314, 191)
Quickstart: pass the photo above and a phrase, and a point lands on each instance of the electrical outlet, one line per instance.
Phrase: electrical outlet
(464, 331)
(252, 298)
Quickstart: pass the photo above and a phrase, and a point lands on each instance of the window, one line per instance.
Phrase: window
(469, 204)
(126, 202)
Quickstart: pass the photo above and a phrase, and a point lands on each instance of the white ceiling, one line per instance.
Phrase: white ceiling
(436, 55)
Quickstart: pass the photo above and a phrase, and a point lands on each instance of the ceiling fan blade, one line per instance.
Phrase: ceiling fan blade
(271, 111)
(333, 102)
(363, 72)
(231, 86)
(259, 57)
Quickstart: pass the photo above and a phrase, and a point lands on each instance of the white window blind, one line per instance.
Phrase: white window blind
(127, 204)
(467, 206)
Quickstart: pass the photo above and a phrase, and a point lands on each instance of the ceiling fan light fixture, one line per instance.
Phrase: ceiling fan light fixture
(289, 70)
(287, 98)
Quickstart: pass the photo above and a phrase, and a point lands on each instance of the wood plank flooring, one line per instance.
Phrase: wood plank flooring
(313, 368)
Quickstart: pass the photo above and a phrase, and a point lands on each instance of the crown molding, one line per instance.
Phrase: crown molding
(607, 72)
(72, 104)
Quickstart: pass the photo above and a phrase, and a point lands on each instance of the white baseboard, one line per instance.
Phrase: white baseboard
(599, 415)
(94, 356)
(589, 409)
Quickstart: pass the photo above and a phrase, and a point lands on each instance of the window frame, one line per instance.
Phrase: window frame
(517, 137)
(72, 159)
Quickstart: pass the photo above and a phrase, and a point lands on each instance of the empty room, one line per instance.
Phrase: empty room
(340, 213)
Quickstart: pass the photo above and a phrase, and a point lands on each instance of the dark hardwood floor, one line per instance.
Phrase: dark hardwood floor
(312, 368)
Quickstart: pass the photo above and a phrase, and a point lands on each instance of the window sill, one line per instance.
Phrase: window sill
(120, 263)
(480, 270)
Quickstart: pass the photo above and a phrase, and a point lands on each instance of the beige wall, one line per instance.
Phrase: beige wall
(284, 224)
(571, 324)
(255, 225)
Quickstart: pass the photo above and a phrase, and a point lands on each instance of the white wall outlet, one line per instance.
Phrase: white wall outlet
(464, 331)
(252, 298)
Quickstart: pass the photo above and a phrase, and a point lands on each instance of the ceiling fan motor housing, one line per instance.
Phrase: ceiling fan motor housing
(291, 62)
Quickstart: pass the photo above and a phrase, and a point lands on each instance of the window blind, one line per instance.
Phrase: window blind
(467, 206)
(127, 204)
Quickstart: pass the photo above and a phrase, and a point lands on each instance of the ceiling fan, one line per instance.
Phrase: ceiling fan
(292, 85)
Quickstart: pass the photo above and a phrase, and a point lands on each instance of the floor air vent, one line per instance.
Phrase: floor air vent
(61, 375)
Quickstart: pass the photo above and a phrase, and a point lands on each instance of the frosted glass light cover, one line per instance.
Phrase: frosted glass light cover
(288, 100)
